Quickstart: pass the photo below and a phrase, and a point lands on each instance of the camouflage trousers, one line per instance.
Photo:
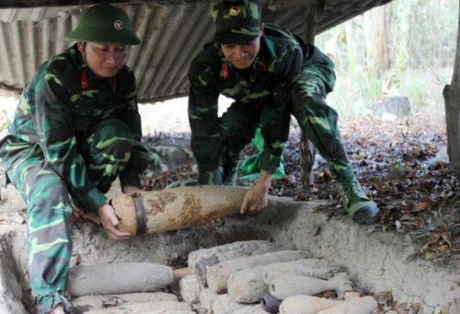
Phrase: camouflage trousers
(305, 100)
(49, 205)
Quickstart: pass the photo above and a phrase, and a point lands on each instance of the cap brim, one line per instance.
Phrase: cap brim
(234, 39)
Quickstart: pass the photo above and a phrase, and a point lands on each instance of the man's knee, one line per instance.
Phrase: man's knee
(111, 137)
(48, 187)
(51, 201)
(109, 128)
(239, 133)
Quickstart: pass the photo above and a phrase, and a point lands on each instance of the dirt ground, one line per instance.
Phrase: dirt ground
(400, 162)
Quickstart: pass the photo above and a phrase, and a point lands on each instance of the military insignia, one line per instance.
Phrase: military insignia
(235, 10)
(118, 25)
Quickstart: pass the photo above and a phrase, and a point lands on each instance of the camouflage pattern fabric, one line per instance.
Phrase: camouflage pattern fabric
(67, 141)
(236, 21)
(287, 77)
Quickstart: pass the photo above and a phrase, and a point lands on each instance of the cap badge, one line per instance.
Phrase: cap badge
(118, 25)
(235, 10)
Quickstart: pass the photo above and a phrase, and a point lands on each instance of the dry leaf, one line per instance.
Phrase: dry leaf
(446, 239)
(421, 206)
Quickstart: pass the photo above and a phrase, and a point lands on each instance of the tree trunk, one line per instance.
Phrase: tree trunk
(380, 39)
(451, 95)
(307, 150)
(352, 50)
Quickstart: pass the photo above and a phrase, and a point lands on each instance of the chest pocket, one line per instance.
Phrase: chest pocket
(92, 107)
(81, 111)
(261, 91)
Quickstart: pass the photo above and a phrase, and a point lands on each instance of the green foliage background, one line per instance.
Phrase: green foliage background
(421, 37)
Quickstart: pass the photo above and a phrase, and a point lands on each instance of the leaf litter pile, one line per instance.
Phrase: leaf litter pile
(402, 166)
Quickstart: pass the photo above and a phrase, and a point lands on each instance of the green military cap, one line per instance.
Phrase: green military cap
(237, 21)
(105, 24)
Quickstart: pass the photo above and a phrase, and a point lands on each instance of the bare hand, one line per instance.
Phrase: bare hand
(58, 310)
(80, 215)
(110, 223)
(256, 198)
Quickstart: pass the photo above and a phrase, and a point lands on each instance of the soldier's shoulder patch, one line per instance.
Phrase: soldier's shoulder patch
(60, 64)
(206, 61)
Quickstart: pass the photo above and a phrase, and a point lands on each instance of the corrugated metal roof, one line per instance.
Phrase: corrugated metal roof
(172, 32)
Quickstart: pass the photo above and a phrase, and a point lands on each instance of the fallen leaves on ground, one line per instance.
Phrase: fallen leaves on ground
(401, 165)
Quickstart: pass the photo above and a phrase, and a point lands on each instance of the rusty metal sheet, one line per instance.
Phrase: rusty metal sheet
(172, 32)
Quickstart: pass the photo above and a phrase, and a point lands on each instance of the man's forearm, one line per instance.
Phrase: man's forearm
(264, 181)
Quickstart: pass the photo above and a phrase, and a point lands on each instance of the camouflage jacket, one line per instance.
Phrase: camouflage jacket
(281, 60)
(58, 109)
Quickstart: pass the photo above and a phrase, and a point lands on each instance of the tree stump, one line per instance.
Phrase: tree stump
(398, 106)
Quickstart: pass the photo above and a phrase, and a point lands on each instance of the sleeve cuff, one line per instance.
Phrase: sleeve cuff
(269, 162)
(93, 200)
(130, 177)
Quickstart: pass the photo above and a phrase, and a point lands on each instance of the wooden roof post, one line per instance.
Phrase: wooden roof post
(307, 150)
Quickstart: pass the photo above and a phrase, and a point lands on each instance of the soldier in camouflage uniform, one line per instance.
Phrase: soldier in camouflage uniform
(271, 74)
(76, 129)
